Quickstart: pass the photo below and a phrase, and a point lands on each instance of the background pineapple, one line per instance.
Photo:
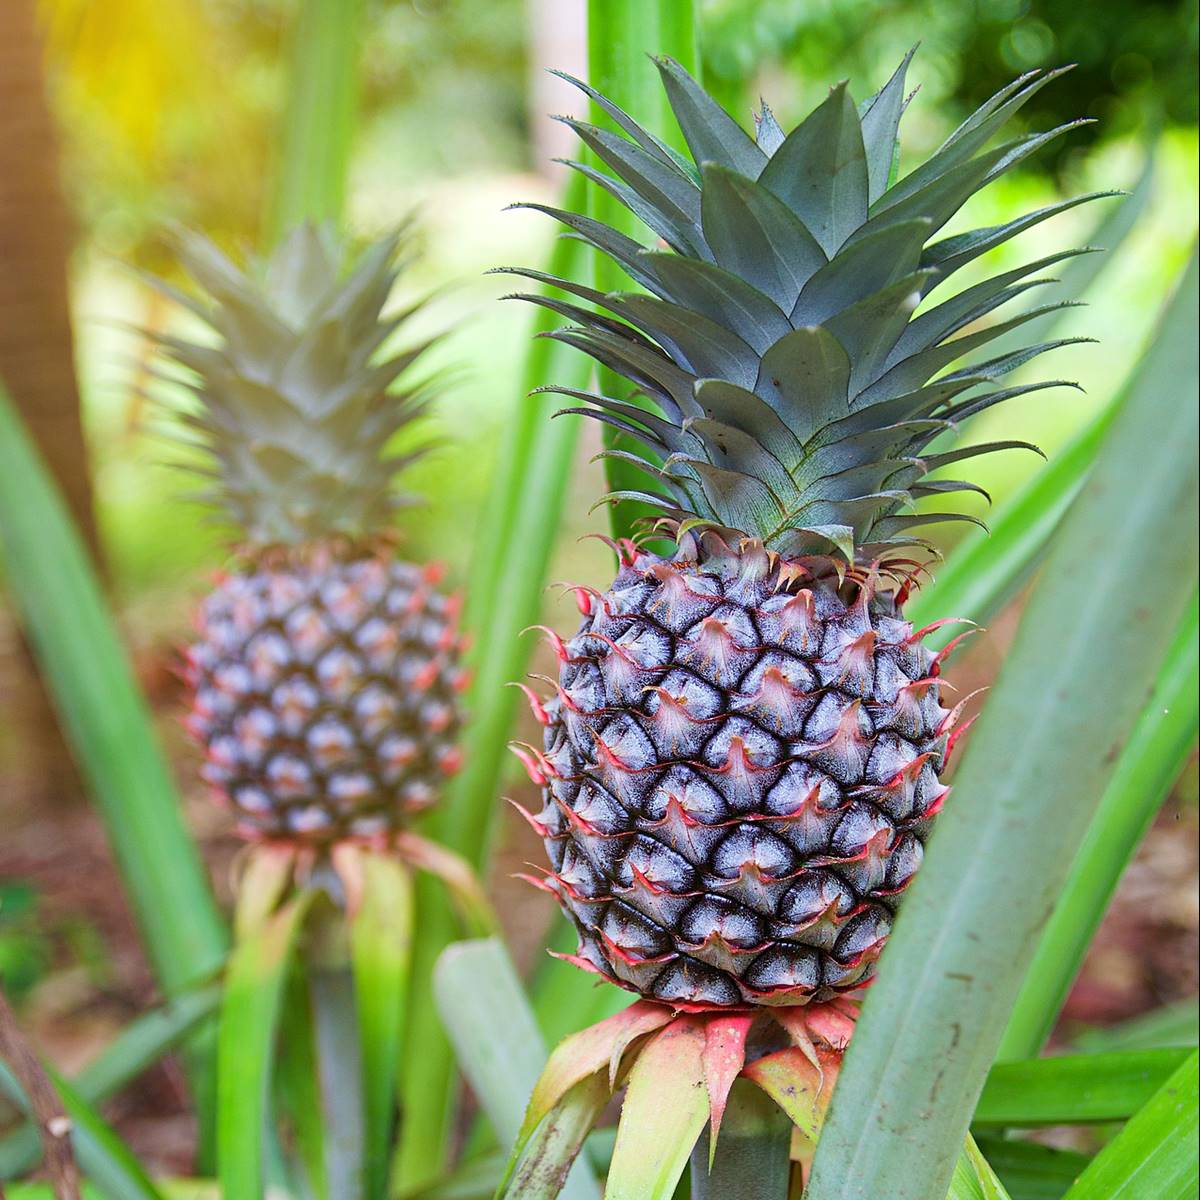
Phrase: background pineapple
(326, 670)
(745, 749)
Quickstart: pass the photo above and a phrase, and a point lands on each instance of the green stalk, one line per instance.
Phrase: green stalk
(1025, 796)
(322, 104)
(752, 1159)
(339, 1069)
(328, 969)
(1148, 767)
(621, 33)
(107, 723)
(504, 596)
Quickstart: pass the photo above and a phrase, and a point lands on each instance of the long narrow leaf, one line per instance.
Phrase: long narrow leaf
(102, 1157)
(621, 34)
(1117, 220)
(664, 1113)
(987, 568)
(1150, 763)
(1155, 1154)
(496, 1038)
(1031, 1171)
(933, 1020)
(321, 109)
(249, 1022)
(109, 729)
(381, 946)
(105, 716)
(504, 597)
(540, 1172)
(1175, 1024)
(140, 1044)
(974, 1178)
(1074, 1089)
(296, 1086)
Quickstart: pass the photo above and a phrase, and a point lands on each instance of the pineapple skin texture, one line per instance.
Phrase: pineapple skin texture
(326, 695)
(740, 774)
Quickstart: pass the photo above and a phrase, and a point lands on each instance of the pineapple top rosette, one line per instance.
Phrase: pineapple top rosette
(745, 747)
(326, 670)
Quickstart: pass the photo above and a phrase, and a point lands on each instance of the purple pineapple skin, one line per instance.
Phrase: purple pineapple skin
(327, 695)
(740, 768)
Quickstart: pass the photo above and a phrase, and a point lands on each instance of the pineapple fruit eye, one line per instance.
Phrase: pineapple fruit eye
(745, 821)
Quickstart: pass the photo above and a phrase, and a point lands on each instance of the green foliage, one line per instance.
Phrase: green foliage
(319, 119)
(140, 1044)
(104, 714)
(25, 949)
(103, 1158)
(1151, 761)
(250, 1010)
(933, 1020)
(1135, 61)
(1155, 1154)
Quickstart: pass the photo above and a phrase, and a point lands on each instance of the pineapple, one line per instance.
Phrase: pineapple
(326, 672)
(747, 742)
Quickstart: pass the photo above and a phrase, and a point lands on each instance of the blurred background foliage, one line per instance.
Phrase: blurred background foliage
(170, 110)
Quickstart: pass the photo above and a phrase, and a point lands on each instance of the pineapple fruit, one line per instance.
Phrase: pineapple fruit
(326, 671)
(746, 745)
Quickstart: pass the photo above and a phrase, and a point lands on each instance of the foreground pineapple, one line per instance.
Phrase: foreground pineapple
(326, 671)
(746, 748)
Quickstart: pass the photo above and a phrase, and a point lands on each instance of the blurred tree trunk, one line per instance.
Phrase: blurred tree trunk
(36, 347)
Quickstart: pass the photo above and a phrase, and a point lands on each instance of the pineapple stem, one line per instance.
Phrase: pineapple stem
(339, 1058)
(752, 1160)
(321, 111)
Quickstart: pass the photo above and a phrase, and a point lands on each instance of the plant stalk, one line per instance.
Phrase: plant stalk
(339, 1066)
(338, 1050)
(753, 1153)
(45, 1105)
(321, 108)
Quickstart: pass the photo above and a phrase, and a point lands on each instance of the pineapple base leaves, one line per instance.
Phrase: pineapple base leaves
(353, 905)
(679, 1069)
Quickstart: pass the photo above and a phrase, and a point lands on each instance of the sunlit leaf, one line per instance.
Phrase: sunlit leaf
(1155, 1154)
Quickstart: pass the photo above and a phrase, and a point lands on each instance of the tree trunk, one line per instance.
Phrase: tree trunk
(36, 347)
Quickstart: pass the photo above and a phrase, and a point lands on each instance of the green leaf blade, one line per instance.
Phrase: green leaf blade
(1073, 1089)
(1155, 1154)
(934, 1018)
(249, 1022)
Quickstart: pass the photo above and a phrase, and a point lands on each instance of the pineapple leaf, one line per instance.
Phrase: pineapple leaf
(757, 237)
(820, 171)
(880, 122)
(805, 378)
(1155, 1154)
(712, 135)
(721, 296)
(664, 1113)
(934, 1017)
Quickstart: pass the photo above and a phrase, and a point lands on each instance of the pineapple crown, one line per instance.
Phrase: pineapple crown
(795, 391)
(296, 405)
